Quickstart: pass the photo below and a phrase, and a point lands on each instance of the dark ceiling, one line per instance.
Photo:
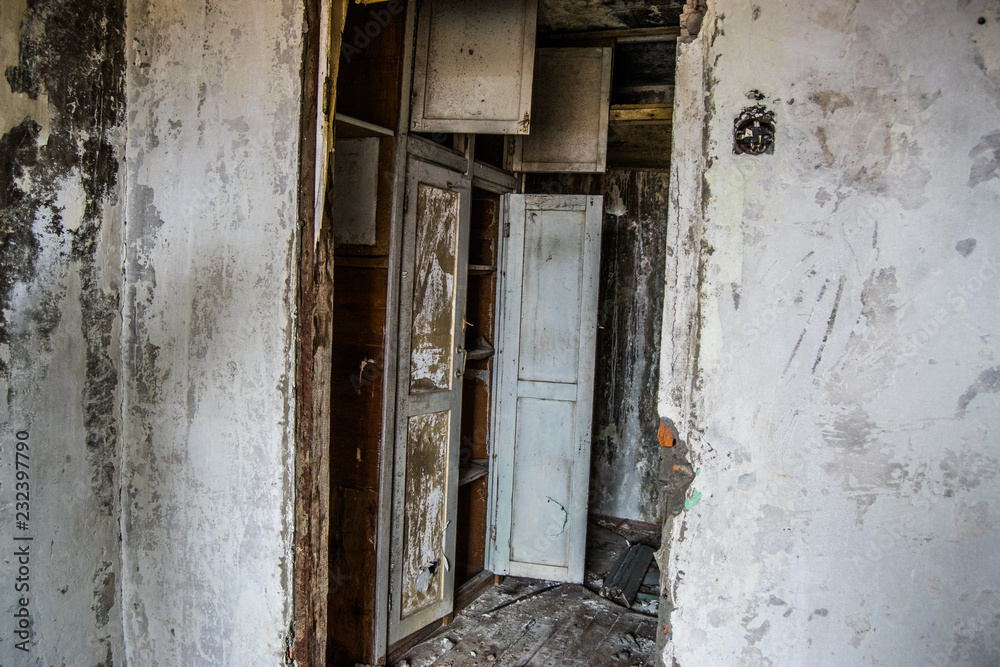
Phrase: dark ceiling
(585, 15)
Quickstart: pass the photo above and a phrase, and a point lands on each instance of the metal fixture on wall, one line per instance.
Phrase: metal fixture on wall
(753, 131)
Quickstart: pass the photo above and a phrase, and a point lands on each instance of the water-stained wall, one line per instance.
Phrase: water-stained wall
(61, 150)
(148, 263)
(830, 339)
(210, 288)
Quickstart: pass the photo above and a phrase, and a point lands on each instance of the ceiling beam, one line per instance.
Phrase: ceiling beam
(659, 34)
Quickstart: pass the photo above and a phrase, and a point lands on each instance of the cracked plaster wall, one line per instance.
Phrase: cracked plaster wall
(831, 330)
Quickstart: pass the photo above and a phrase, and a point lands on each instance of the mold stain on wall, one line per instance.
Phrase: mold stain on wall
(74, 52)
(61, 114)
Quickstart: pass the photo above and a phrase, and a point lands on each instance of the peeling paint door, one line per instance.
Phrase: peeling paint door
(545, 387)
(429, 397)
(473, 66)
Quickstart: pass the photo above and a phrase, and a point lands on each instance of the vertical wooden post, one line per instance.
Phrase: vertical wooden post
(312, 475)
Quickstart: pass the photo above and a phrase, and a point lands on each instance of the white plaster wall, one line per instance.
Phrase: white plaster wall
(213, 103)
(830, 350)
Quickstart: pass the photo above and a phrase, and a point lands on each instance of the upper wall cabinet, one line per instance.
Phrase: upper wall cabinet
(473, 66)
(569, 129)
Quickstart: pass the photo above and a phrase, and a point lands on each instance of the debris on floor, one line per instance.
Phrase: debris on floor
(528, 623)
(626, 576)
(605, 545)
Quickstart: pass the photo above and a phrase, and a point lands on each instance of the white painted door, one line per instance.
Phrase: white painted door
(545, 386)
(429, 397)
(473, 66)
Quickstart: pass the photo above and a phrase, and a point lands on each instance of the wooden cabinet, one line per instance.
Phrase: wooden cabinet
(570, 102)
(462, 361)
(473, 66)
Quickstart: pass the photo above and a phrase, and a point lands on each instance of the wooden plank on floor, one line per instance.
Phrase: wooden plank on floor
(549, 618)
(539, 624)
(493, 623)
(587, 627)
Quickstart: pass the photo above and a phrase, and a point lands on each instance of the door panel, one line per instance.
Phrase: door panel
(569, 110)
(429, 397)
(550, 296)
(473, 66)
(426, 514)
(434, 282)
(543, 455)
(545, 386)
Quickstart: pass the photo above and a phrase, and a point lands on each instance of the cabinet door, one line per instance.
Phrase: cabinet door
(570, 106)
(429, 397)
(546, 386)
(473, 66)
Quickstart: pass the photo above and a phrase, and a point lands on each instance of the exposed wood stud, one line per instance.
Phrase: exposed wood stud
(311, 573)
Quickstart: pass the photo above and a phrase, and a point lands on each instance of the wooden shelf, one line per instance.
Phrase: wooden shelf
(473, 470)
(481, 269)
(641, 113)
(349, 128)
(375, 262)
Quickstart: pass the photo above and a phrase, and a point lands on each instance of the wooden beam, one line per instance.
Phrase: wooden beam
(310, 574)
(660, 34)
(632, 113)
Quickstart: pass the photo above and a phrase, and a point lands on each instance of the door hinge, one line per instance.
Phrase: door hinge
(493, 534)
(506, 230)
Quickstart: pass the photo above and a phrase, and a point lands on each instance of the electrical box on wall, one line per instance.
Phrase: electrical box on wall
(753, 131)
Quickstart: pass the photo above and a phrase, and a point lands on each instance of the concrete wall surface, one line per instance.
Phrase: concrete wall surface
(210, 288)
(148, 263)
(830, 338)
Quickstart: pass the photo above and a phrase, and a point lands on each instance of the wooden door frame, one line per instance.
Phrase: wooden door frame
(314, 335)
(390, 371)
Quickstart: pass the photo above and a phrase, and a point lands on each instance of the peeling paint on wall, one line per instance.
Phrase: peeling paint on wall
(829, 338)
(191, 427)
(214, 94)
(625, 457)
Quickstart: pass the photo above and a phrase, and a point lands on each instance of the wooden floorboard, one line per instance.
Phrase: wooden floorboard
(525, 623)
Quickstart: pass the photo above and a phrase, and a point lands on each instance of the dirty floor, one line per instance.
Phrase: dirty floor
(528, 623)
